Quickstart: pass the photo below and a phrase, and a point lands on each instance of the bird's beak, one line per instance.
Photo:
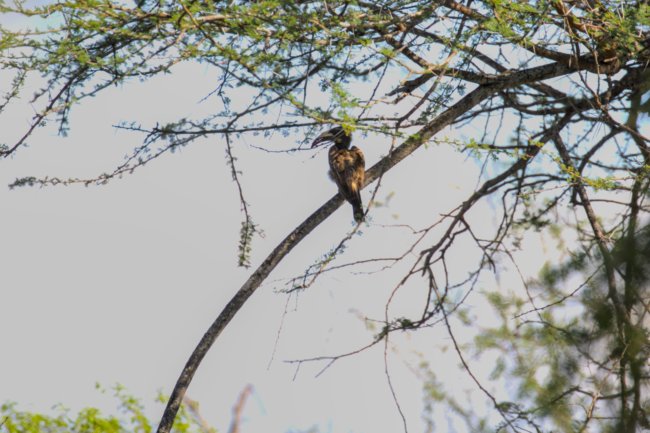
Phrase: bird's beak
(325, 136)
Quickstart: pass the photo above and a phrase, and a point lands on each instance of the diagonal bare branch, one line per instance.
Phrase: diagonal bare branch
(411, 144)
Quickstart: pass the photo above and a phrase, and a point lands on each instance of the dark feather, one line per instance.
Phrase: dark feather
(348, 172)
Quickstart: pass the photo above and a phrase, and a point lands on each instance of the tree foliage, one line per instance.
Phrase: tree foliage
(555, 86)
(131, 419)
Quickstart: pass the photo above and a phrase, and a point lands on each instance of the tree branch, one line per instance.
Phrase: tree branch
(299, 233)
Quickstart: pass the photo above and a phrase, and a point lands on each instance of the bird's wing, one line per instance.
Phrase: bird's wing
(356, 171)
(340, 160)
(348, 170)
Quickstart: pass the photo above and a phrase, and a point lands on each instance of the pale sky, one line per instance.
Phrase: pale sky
(117, 283)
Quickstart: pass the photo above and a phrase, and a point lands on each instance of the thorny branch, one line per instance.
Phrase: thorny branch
(265, 268)
(499, 66)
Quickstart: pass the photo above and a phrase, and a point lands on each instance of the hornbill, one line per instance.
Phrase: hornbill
(347, 167)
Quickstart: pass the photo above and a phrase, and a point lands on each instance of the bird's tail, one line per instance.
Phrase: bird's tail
(357, 207)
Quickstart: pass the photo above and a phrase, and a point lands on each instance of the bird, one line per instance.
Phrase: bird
(347, 167)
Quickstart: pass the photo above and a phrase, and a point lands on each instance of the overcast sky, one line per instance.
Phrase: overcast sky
(117, 283)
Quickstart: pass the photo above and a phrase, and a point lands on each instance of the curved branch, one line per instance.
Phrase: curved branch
(405, 149)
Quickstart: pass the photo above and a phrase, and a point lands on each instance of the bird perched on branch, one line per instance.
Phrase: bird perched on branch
(347, 167)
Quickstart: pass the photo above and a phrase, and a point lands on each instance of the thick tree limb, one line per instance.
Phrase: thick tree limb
(472, 99)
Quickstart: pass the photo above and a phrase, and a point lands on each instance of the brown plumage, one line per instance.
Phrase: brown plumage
(347, 167)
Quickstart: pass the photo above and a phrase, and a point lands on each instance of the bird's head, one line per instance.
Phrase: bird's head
(336, 135)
